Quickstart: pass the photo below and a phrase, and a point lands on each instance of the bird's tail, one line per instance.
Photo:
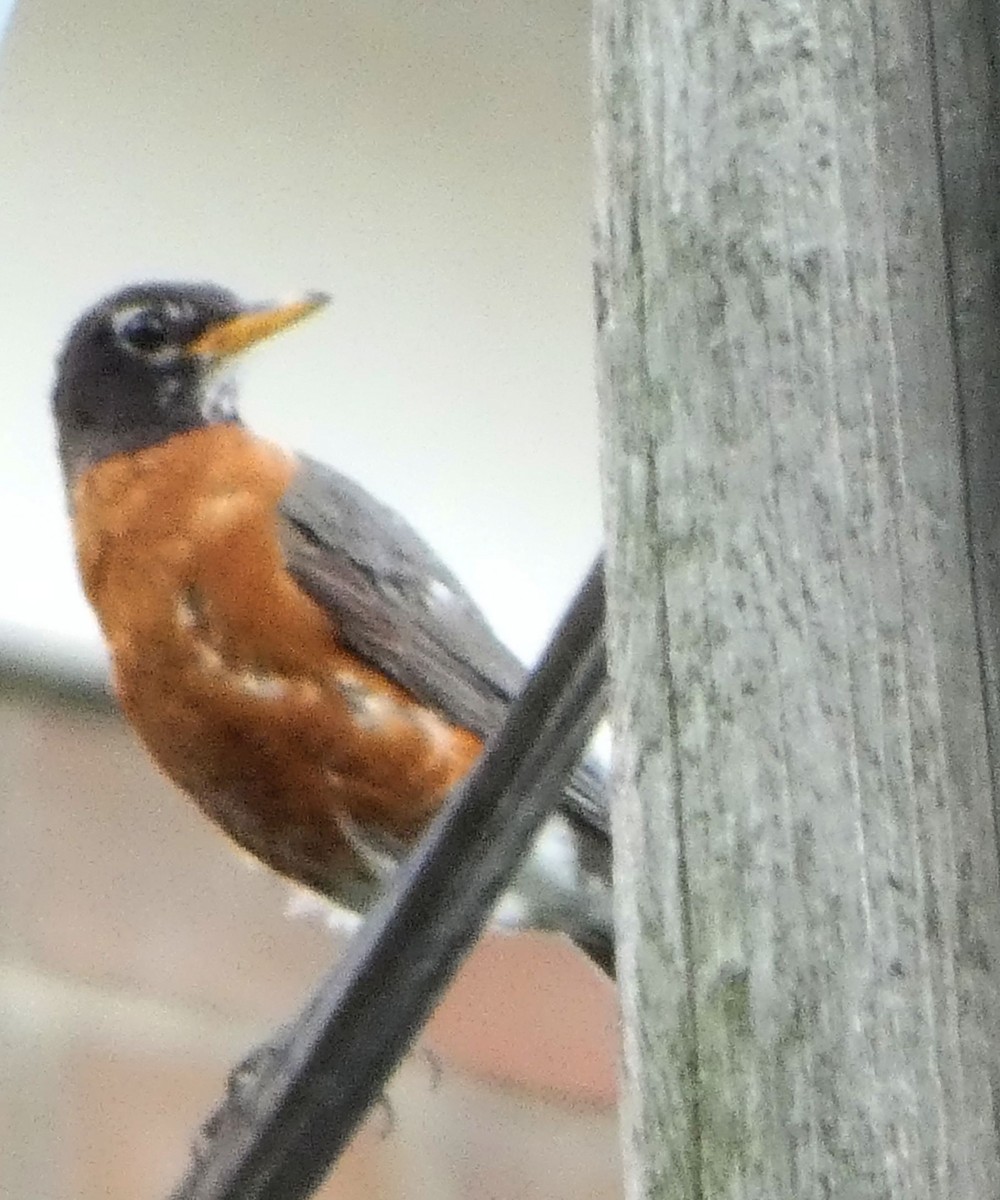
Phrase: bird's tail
(564, 885)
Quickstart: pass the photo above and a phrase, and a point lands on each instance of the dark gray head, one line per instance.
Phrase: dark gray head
(150, 362)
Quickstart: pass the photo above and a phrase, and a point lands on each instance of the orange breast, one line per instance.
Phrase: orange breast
(235, 679)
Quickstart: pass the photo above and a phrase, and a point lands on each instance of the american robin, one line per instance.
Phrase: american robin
(291, 653)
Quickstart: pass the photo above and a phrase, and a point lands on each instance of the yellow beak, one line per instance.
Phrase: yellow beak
(239, 333)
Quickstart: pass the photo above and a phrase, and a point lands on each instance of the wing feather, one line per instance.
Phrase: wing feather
(397, 606)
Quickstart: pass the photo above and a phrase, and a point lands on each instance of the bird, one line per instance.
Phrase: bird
(290, 652)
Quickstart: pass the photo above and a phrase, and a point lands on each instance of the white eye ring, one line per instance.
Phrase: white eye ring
(145, 332)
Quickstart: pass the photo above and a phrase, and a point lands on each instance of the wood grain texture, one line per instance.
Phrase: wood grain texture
(797, 361)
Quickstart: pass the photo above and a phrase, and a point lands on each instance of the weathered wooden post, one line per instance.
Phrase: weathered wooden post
(797, 282)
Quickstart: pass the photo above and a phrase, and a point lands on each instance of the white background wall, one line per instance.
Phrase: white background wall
(428, 163)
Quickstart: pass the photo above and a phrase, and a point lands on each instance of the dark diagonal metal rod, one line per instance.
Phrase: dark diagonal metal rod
(288, 1117)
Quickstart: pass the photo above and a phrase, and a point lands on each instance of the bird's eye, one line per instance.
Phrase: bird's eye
(144, 330)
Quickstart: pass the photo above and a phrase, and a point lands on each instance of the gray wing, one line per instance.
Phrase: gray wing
(396, 605)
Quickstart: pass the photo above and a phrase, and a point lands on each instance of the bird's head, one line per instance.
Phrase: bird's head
(152, 361)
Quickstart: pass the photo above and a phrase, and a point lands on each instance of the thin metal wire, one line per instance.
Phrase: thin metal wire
(290, 1112)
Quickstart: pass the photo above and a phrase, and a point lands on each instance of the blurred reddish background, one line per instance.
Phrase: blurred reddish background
(140, 958)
